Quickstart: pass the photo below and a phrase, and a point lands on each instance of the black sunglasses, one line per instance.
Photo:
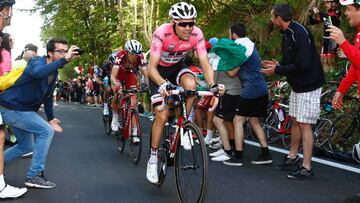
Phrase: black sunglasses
(184, 24)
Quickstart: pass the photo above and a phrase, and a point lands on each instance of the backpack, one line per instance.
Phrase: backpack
(8, 80)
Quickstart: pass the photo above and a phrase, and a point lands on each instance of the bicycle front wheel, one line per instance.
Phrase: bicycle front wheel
(107, 124)
(135, 145)
(191, 167)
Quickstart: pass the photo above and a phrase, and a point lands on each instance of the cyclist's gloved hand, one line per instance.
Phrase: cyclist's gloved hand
(217, 89)
(162, 88)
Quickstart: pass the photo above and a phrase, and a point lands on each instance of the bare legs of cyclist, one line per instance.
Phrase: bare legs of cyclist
(187, 81)
(116, 107)
(134, 130)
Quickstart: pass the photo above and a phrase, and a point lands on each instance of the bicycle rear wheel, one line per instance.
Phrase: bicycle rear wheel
(135, 147)
(343, 134)
(191, 167)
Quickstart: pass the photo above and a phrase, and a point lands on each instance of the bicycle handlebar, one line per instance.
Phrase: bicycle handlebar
(175, 90)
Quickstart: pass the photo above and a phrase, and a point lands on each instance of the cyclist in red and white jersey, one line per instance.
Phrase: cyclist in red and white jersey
(126, 65)
(170, 43)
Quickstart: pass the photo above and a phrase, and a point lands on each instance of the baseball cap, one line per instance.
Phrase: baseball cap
(349, 2)
(31, 47)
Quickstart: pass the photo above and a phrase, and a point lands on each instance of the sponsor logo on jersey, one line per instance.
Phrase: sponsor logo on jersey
(194, 34)
(171, 47)
(157, 37)
(185, 46)
(167, 34)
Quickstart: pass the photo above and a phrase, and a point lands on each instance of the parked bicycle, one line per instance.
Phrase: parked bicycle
(190, 164)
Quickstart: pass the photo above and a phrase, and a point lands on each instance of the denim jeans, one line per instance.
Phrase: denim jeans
(33, 134)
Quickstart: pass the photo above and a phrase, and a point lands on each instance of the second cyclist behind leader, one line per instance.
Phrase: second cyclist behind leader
(125, 67)
(170, 44)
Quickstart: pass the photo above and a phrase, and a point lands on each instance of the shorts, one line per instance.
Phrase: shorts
(127, 77)
(256, 107)
(204, 102)
(305, 107)
(172, 74)
(226, 107)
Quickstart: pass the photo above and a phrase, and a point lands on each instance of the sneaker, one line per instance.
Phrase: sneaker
(300, 173)
(151, 173)
(27, 155)
(12, 192)
(217, 153)
(262, 159)
(135, 139)
(207, 139)
(233, 162)
(222, 157)
(186, 140)
(216, 145)
(288, 163)
(39, 181)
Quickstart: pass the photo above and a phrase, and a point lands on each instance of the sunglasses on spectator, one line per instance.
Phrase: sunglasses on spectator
(184, 24)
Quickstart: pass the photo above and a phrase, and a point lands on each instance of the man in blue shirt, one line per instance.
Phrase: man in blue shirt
(20, 103)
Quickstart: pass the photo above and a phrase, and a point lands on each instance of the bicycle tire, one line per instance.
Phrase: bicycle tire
(321, 134)
(186, 168)
(270, 126)
(341, 133)
(107, 124)
(286, 137)
(135, 148)
(162, 154)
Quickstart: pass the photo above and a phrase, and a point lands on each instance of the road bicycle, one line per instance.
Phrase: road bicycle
(277, 123)
(345, 133)
(190, 164)
(127, 114)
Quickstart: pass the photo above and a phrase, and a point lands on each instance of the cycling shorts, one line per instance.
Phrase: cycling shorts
(172, 74)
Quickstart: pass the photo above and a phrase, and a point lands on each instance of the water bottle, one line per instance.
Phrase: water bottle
(281, 115)
(106, 81)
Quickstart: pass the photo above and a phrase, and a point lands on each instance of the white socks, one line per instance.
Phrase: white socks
(2, 182)
(153, 156)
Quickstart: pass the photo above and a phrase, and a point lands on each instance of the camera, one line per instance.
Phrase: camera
(80, 51)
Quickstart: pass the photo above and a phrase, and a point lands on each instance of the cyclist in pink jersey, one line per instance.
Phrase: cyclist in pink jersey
(170, 44)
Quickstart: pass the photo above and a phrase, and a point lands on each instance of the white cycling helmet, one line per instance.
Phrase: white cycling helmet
(182, 10)
(133, 46)
(349, 2)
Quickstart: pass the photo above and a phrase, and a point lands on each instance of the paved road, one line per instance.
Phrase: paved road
(86, 167)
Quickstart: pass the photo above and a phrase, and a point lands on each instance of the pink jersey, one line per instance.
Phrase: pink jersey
(166, 44)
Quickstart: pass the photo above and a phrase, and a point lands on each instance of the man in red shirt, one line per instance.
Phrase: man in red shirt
(352, 52)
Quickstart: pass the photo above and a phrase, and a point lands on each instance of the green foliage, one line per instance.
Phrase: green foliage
(100, 26)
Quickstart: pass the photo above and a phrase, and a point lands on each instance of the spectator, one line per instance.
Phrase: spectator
(351, 51)
(5, 56)
(302, 67)
(23, 100)
(6, 190)
(328, 50)
(29, 52)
